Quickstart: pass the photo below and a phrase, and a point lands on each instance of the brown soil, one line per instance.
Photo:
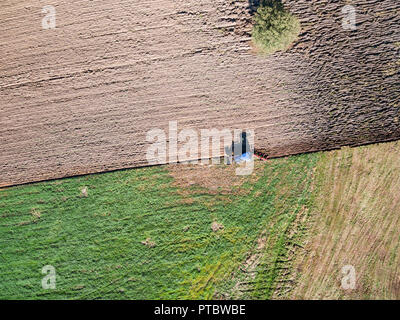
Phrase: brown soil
(80, 99)
(214, 179)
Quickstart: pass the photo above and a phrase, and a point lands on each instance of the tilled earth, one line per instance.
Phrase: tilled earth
(81, 98)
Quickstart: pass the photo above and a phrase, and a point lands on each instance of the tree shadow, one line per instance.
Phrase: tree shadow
(238, 148)
(254, 4)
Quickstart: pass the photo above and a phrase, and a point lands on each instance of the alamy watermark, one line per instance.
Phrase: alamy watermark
(49, 280)
(49, 20)
(349, 20)
(349, 277)
(237, 146)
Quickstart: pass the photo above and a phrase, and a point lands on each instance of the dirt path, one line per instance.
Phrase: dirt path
(81, 98)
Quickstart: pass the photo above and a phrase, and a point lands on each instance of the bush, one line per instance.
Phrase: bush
(275, 28)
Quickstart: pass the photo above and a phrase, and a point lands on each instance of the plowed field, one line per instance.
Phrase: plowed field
(80, 98)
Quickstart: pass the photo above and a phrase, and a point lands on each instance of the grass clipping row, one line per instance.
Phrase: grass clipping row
(275, 29)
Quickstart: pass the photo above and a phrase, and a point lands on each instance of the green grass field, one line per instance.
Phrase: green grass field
(95, 242)
(283, 232)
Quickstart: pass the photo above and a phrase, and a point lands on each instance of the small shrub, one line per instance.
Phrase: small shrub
(275, 28)
(35, 213)
(215, 226)
(149, 243)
